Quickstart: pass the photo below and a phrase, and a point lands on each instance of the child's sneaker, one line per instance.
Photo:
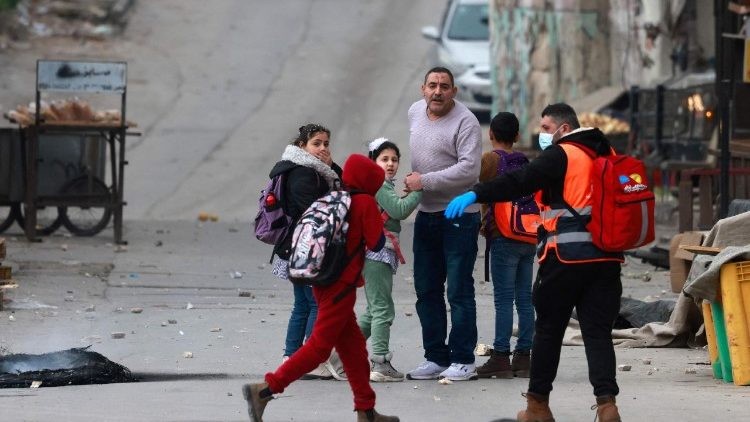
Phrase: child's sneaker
(336, 367)
(319, 373)
(426, 370)
(383, 371)
(460, 372)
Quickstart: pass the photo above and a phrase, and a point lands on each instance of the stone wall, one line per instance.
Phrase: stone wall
(545, 52)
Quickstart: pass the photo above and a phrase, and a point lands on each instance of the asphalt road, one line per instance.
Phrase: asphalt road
(218, 88)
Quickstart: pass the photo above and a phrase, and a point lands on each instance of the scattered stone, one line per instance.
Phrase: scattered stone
(136, 310)
(64, 247)
(164, 323)
(262, 266)
(90, 308)
(229, 394)
(189, 306)
(182, 333)
(119, 309)
(172, 321)
(91, 339)
(118, 335)
(690, 371)
(646, 361)
(416, 387)
(158, 243)
(650, 372)
(11, 318)
(187, 355)
(69, 299)
(436, 398)
(245, 293)
(408, 313)
(623, 368)
(482, 350)
(445, 381)
(233, 230)
(35, 384)
(121, 248)
(215, 330)
(235, 274)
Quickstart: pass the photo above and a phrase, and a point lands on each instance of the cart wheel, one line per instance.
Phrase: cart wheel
(47, 219)
(90, 219)
(7, 217)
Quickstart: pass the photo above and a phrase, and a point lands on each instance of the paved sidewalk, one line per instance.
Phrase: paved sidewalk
(169, 267)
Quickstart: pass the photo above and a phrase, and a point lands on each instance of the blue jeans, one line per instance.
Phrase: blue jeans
(304, 312)
(511, 264)
(446, 250)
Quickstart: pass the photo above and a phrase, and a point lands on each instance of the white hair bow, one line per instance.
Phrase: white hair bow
(375, 144)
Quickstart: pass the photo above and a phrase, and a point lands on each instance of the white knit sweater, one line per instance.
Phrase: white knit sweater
(447, 152)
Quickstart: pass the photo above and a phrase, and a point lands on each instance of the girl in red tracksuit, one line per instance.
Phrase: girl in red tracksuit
(336, 325)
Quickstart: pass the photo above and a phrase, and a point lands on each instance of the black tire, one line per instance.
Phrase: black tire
(87, 220)
(7, 217)
(47, 219)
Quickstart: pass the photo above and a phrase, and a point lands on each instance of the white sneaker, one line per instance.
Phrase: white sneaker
(336, 367)
(426, 370)
(460, 372)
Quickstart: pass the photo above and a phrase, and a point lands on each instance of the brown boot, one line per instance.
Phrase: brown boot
(373, 416)
(537, 409)
(498, 366)
(521, 363)
(255, 403)
(606, 409)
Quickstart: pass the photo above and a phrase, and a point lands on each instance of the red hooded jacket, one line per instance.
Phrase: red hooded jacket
(365, 223)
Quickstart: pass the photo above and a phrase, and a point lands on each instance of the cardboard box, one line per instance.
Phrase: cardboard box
(681, 260)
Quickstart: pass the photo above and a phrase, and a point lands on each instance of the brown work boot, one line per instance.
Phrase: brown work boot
(373, 416)
(606, 409)
(537, 409)
(255, 403)
(498, 366)
(521, 363)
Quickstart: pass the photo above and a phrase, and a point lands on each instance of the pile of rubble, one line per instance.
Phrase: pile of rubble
(90, 19)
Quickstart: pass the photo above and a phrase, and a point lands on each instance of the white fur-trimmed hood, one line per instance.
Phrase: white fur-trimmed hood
(301, 157)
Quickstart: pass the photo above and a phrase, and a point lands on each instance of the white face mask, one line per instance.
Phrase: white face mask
(545, 139)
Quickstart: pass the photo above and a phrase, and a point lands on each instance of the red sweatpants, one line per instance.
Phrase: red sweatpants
(336, 326)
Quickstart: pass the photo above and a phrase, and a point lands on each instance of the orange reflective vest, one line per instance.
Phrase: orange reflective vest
(561, 230)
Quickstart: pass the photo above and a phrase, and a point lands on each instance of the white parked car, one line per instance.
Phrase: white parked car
(462, 44)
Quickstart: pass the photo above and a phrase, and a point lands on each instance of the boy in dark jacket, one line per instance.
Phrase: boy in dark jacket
(336, 325)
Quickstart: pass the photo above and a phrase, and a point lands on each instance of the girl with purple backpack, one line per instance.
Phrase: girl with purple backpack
(310, 173)
(511, 259)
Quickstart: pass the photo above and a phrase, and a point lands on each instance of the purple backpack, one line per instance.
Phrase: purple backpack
(271, 222)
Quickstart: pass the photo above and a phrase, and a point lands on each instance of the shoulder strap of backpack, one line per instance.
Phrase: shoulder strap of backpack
(592, 154)
(353, 285)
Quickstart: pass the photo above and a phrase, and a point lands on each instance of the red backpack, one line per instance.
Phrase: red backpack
(622, 212)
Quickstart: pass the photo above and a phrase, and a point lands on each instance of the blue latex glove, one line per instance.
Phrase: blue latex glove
(457, 206)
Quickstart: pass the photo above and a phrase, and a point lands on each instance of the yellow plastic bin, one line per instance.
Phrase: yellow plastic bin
(735, 294)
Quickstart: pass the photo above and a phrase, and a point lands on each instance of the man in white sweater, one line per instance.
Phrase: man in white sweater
(445, 141)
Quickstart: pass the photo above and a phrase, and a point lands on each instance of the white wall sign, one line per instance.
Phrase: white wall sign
(81, 76)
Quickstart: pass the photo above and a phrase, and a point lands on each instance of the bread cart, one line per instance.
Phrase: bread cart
(65, 158)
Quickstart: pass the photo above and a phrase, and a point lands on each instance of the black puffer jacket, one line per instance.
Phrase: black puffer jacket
(303, 186)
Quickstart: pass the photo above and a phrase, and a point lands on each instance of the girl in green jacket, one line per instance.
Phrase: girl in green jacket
(380, 267)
